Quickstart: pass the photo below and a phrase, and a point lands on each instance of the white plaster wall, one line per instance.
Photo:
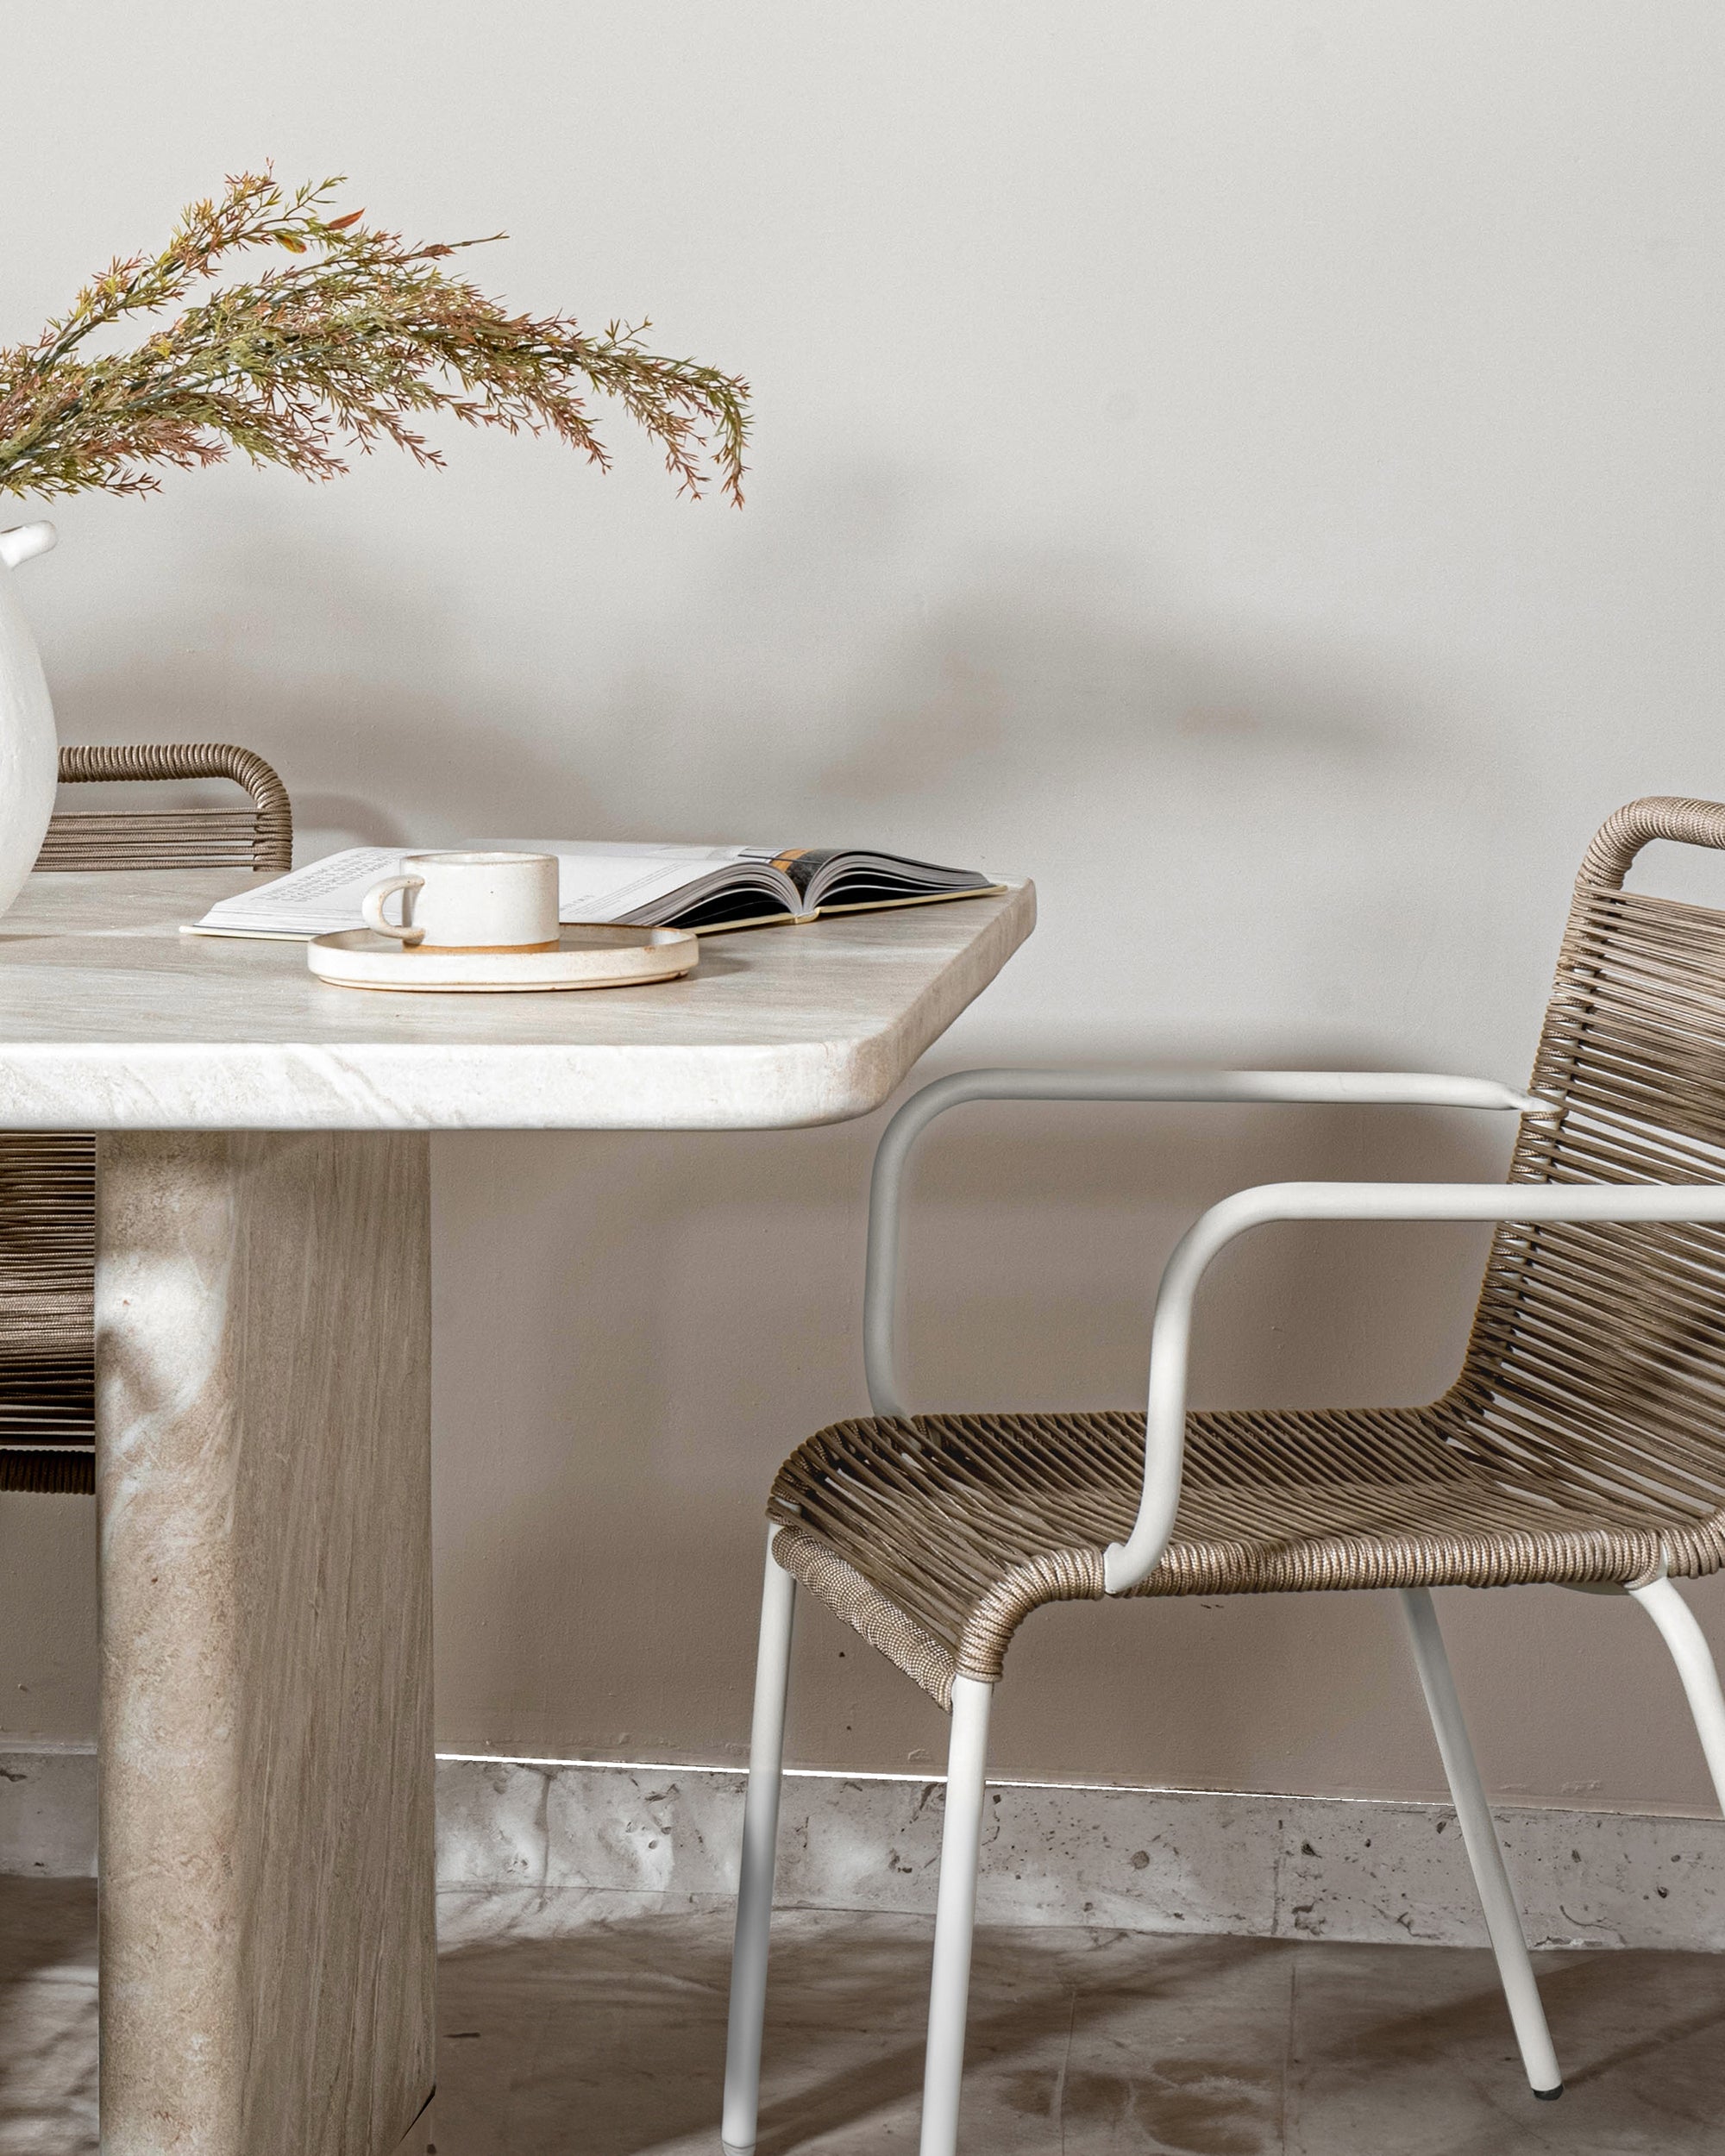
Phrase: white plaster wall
(1253, 467)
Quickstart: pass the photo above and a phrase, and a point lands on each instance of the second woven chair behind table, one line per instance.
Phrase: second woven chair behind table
(47, 1178)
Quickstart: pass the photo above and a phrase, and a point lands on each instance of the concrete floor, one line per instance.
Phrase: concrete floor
(607, 2043)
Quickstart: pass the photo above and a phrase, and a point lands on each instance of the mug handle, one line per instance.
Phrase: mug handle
(372, 906)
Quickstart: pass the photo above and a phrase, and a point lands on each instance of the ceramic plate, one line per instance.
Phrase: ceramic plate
(589, 955)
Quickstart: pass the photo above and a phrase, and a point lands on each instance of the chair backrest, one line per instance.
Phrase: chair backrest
(1597, 1362)
(47, 1178)
(258, 837)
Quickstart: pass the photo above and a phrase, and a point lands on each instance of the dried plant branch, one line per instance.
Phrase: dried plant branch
(343, 347)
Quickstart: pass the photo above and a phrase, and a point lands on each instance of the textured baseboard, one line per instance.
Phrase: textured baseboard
(564, 1837)
(47, 1811)
(545, 1845)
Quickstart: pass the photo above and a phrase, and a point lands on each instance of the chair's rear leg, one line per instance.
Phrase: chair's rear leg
(1502, 1919)
(1694, 1660)
(760, 1844)
(961, 1842)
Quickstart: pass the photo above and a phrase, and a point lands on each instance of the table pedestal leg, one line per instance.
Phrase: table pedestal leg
(263, 1329)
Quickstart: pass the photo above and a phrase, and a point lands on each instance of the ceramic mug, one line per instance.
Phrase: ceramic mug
(470, 902)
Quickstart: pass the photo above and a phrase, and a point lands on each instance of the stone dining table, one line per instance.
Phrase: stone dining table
(263, 1425)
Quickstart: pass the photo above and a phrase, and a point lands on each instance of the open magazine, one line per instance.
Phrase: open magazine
(645, 886)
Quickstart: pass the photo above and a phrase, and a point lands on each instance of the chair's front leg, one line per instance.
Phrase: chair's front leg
(1694, 1660)
(760, 1844)
(961, 1842)
(1479, 1834)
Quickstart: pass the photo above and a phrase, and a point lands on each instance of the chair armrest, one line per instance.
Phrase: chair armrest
(1126, 1564)
(1335, 1088)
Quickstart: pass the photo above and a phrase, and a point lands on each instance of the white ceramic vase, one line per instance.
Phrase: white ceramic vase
(29, 755)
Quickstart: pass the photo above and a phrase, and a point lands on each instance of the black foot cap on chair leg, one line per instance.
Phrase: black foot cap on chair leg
(1549, 2095)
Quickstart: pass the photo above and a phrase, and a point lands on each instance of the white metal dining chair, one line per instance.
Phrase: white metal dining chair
(1582, 1443)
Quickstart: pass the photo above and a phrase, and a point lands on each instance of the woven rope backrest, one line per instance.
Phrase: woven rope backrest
(1597, 1357)
(260, 836)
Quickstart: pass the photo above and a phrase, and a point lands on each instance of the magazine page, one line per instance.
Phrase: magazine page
(597, 881)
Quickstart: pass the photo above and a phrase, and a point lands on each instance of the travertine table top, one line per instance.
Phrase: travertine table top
(111, 1019)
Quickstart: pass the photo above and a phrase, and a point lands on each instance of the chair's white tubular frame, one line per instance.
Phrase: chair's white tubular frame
(1484, 1851)
(1129, 1562)
(760, 1848)
(1695, 1666)
(1332, 1088)
(1165, 1438)
(955, 1915)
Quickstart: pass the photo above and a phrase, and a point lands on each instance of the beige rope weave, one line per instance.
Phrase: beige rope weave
(1585, 1440)
(261, 836)
(47, 1178)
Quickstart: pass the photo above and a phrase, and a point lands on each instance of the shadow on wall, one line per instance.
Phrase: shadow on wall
(1028, 671)
(1274, 822)
(844, 657)
(853, 660)
(356, 684)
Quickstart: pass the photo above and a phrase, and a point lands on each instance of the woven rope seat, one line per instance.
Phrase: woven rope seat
(1582, 1441)
(47, 1178)
(936, 1538)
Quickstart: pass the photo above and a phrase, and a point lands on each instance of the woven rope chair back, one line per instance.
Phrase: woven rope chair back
(258, 836)
(1596, 1362)
(48, 1179)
